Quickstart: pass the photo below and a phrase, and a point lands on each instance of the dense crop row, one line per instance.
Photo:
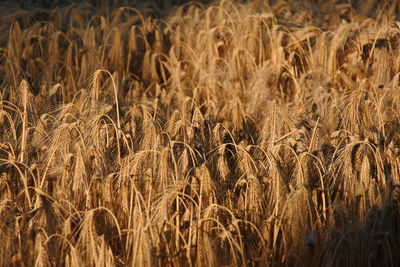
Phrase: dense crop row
(262, 133)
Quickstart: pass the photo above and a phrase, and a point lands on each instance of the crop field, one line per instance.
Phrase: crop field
(218, 133)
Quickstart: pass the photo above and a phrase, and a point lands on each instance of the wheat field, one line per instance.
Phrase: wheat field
(226, 133)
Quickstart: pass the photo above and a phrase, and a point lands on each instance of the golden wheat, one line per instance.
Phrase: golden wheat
(231, 133)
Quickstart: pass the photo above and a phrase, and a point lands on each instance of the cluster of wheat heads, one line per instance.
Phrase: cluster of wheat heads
(259, 134)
